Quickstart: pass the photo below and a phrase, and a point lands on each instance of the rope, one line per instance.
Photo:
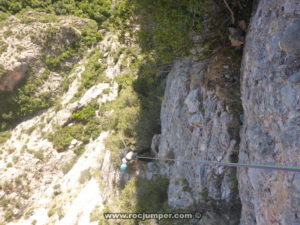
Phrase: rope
(227, 164)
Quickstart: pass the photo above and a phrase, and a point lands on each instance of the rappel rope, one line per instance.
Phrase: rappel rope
(227, 164)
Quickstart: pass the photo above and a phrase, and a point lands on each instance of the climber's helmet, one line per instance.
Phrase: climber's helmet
(123, 167)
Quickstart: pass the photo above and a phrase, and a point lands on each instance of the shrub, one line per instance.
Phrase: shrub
(3, 16)
(24, 101)
(2, 71)
(4, 202)
(85, 126)
(93, 73)
(3, 48)
(62, 137)
(9, 215)
(7, 33)
(165, 26)
(39, 155)
(141, 195)
(66, 168)
(4, 136)
(98, 10)
(84, 115)
(52, 211)
(85, 176)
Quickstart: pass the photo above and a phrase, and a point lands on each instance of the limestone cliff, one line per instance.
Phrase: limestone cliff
(73, 95)
(200, 123)
(40, 185)
(270, 97)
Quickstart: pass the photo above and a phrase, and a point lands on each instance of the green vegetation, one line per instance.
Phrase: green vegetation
(3, 47)
(4, 202)
(56, 54)
(2, 71)
(97, 10)
(62, 137)
(85, 176)
(52, 211)
(7, 33)
(8, 215)
(165, 26)
(140, 195)
(39, 155)
(93, 73)
(85, 126)
(134, 115)
(3, 16)
(204, 194)
(4, 136)
(160, 23)
(23, 102)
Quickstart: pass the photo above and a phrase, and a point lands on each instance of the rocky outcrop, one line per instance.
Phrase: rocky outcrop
(42, 186)
(199, 123)
(271, 129)
(25, 41)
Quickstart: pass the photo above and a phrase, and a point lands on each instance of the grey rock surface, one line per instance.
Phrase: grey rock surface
(198, 123)
(290, 41)
(271, 129)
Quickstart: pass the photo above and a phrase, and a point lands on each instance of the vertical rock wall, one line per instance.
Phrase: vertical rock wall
(271, 129)
(199, 122)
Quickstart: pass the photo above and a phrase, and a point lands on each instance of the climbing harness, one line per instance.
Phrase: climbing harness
(226, 164)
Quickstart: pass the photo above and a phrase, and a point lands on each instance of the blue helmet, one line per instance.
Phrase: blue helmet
(123, 167)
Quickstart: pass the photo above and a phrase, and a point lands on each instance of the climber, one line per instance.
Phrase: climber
(128, 156)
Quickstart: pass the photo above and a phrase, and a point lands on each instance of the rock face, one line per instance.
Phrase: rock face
(198, 123)
(37, 187)
(22, 44)
(270, 133)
